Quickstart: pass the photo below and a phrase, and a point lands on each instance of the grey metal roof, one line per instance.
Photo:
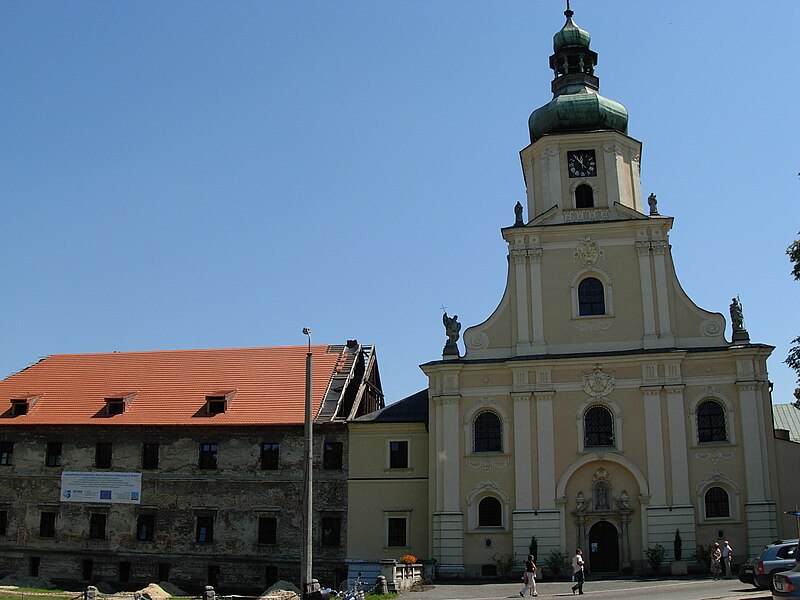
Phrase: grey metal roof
(413, 409)
(786, 416)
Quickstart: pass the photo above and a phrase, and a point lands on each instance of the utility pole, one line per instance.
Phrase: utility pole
(305, 568)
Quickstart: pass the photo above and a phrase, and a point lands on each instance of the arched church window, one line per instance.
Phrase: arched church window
(488, 433)
(717, 504)
(584, 196)
(598, 427)
(602, 495)
(591, 298)
(711, 422)
(490, 512)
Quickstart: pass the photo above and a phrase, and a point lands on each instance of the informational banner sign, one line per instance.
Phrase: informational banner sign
(119, 488)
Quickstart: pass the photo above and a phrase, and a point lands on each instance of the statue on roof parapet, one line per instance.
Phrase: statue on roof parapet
(452, 328)
(737, 321)
(518, 222)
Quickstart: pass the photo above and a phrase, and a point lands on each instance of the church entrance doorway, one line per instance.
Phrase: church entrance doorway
(603, 548)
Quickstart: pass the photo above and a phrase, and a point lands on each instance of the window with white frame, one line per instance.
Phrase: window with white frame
(711, 425)
(717, 503)
(490, 512)
(598, 427)
(398, 454)
(487, 433)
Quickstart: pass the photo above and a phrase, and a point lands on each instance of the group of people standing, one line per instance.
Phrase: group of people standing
(721, 558)
(529, 575)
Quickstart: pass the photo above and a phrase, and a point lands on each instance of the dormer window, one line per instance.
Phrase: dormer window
(19, 407)
(115, 406)
(215, 405)
(22, 405)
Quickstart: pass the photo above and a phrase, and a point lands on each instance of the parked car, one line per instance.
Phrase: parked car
(747, 571)
(781, 555)
(786, 584)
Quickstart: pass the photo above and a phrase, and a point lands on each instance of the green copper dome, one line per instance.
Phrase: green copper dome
(587, 111)
(571, 35)
(577, 104)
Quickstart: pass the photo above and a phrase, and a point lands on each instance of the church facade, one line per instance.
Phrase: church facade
(598, 406)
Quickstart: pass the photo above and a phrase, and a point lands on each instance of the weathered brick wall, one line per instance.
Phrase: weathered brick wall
(237, 493)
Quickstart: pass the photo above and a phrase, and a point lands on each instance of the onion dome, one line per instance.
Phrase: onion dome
(576, 104)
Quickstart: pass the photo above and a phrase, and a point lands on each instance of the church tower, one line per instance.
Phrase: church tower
(597, 406)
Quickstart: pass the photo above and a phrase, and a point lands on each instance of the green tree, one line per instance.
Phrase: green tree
(793, 360)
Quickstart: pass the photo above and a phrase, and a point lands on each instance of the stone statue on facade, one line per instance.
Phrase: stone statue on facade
(737, 321)
(652, 202)
(452, 328)
(518, 215)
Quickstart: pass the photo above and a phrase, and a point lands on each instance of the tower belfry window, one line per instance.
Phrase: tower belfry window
(584, 196)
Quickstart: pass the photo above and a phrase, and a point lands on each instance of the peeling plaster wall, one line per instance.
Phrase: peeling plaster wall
(237, 493)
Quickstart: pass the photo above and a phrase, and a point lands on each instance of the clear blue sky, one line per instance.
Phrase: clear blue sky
(204, 174)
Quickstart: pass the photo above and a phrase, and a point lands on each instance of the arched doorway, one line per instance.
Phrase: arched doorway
(603, 548)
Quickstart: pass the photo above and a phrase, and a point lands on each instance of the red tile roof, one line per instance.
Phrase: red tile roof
(266, 386)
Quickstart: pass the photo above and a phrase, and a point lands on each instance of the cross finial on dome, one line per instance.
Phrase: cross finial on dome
(568, 13)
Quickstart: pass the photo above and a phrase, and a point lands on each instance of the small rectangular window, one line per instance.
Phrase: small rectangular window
(396, 531)
(115, 406)
(87, 569)
(145, 528)
(97, 526)
(270, 575)
(163, 571)
(267, 530)
(6, 453)
(33, 566)
(331, 532)
(150, 456)
(205, 529)
(3, 522)
(208, 456)
(102, 455)
(213, 575)
(215, 405)
(398, 455)
(270, 453)
(53, 456)
(124, 571)
(332, 456)
(19, 408)
(47, 524)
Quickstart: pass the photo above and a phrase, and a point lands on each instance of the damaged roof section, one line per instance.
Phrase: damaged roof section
(173, 386)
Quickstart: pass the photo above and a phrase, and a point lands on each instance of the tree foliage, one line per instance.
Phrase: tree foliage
(793, 360)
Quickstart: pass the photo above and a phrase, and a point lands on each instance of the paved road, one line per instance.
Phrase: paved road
(628, 589)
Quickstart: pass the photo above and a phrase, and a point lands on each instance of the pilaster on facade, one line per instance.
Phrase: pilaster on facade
(654, 437)
(448, 544)
(612, 155)
(537, 303)
(520, 260)
(753, 430)
(648, 300)
(761, 525)
(523, 467)
(678, 446)
(546, 449)
(659, 251)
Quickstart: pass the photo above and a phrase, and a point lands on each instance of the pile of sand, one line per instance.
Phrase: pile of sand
(171, 588)
(154, 592)
(281, 590)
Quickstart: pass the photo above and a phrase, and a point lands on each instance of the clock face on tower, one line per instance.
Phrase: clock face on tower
(581, 163)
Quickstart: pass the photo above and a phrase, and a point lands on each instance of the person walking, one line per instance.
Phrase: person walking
(716, 557)
(530, 577)
(727, 556)
(577, 571)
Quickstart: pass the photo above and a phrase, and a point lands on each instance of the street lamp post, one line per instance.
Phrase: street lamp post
(306, 570)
